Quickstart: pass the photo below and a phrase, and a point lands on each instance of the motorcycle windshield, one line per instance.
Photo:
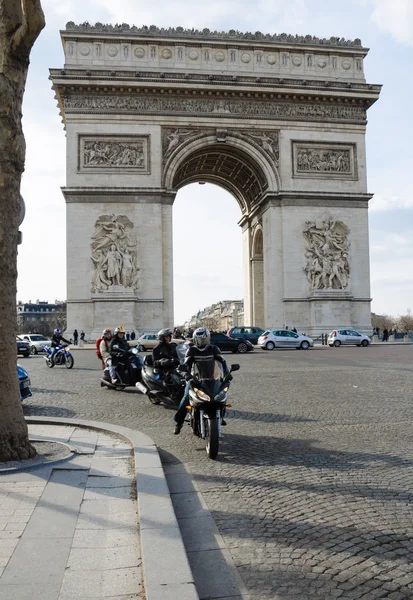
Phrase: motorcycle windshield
(210, 374)
(181, 352)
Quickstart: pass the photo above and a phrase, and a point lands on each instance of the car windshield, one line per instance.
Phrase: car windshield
(38, 338)
(266, 333)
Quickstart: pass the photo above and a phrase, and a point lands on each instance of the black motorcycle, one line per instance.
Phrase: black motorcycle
(166, 385)
(62, 357)
(128, 370)
(207, 403)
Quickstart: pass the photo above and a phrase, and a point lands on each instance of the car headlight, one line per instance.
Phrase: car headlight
(202, 395)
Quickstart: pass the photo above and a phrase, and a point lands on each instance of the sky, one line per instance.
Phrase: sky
(214, 272)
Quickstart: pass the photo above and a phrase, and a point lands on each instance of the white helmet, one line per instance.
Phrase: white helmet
(201, 338)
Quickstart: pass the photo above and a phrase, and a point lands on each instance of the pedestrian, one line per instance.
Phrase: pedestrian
(127, 336)
(132, 334)
(294, 329)
(385, 335)
(75, 337)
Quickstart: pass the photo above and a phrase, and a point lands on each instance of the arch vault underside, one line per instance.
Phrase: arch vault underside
(280, 126)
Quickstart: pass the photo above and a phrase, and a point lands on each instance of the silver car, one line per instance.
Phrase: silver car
(36, 341)
(284, 338)
(347, 336)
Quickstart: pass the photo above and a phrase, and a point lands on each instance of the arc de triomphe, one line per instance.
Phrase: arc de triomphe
(279, 121)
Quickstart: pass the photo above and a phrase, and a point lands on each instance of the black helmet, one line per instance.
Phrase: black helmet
(201, 338)
(164, 333)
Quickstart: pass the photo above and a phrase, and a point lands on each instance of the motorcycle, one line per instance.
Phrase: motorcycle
(166, 386)
(62, 357)
(128, 370)
(207, 403)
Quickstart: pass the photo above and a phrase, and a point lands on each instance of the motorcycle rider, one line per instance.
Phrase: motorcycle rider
(164, 354)
(201, 351)
(118, 343)
(105, 352)
(57, 340)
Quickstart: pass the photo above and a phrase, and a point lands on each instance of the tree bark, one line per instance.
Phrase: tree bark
(21, 21)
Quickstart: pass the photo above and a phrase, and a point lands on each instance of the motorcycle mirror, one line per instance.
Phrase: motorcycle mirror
(234, 368)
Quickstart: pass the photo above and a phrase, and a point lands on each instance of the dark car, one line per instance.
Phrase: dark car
(24, 383)
(22, 347)
(228, 344)
(246, 333)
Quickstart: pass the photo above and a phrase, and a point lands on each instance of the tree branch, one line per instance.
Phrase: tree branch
(33, 23)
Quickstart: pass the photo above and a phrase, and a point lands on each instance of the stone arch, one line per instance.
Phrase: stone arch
(234, 164)
(257, 276)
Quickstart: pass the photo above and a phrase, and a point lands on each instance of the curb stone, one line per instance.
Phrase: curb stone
(166, 570)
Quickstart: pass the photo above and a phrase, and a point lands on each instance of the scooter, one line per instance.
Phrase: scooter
(62, 357)
(128, 370)
(166, 386)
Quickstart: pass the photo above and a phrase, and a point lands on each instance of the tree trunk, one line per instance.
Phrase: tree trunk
(20, 24)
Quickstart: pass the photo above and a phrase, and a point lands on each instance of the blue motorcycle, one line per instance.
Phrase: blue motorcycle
(62, 357)
(24, 383)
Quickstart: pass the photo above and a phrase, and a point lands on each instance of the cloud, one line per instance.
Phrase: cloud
(394, 17)
(382, 203)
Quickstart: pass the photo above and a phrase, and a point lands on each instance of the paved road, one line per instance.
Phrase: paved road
(312, 491)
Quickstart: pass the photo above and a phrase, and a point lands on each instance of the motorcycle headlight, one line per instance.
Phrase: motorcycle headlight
(221, 395)
(202, 395)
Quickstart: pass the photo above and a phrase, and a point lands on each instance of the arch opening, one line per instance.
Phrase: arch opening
(227, 167)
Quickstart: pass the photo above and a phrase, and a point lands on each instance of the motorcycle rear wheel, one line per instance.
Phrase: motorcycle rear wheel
(212, 438)
(69, 362)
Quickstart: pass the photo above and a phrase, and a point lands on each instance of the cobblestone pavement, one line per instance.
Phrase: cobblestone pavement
(313, 488)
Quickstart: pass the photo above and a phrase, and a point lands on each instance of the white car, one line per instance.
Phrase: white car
(347, 336)
(284, 338)
(36, 341)
(148, 341)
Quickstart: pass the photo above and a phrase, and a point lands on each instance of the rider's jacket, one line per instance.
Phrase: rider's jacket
(57, 340)
(202, 358)
(164, 356)
(120, 342)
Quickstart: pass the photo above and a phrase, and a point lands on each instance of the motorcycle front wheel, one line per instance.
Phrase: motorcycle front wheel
(69, 362)
(211, 437)
(49, 363)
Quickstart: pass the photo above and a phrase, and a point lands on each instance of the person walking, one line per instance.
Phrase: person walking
(385, 335)
(75, 337)
(132, 334)
(127, 336)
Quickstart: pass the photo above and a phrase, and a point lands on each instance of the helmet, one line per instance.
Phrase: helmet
(163, 333)
(201, 338)
(57, 331)
(107, 333)
(119, 329)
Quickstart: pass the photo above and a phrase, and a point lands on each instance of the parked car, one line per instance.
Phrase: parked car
(23, 347)
(284, 338)
(347, 336)
(148, 341)
(246, 333)
(24, 383)
(36, 341)
(229, 344)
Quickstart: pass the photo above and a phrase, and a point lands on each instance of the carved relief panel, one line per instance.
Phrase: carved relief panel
(114, 153)
(326, 252)
(324, 160)
(114, 255)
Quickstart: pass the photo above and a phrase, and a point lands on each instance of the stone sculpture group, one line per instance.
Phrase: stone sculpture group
(327, 251)
(114, 254)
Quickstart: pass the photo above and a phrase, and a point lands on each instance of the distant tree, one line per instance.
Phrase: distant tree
(405, 322)
(21, 21)
(382, 321)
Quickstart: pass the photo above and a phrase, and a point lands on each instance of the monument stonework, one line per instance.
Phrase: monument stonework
(279, 121)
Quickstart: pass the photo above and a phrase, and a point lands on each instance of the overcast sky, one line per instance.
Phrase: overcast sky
(201, 278)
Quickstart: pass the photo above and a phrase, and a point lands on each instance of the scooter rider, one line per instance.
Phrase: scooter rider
(118, 343)
(201, 351)
(164, 354)
(57, 340)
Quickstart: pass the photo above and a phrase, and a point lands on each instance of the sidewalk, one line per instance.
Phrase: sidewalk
(99, 524)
